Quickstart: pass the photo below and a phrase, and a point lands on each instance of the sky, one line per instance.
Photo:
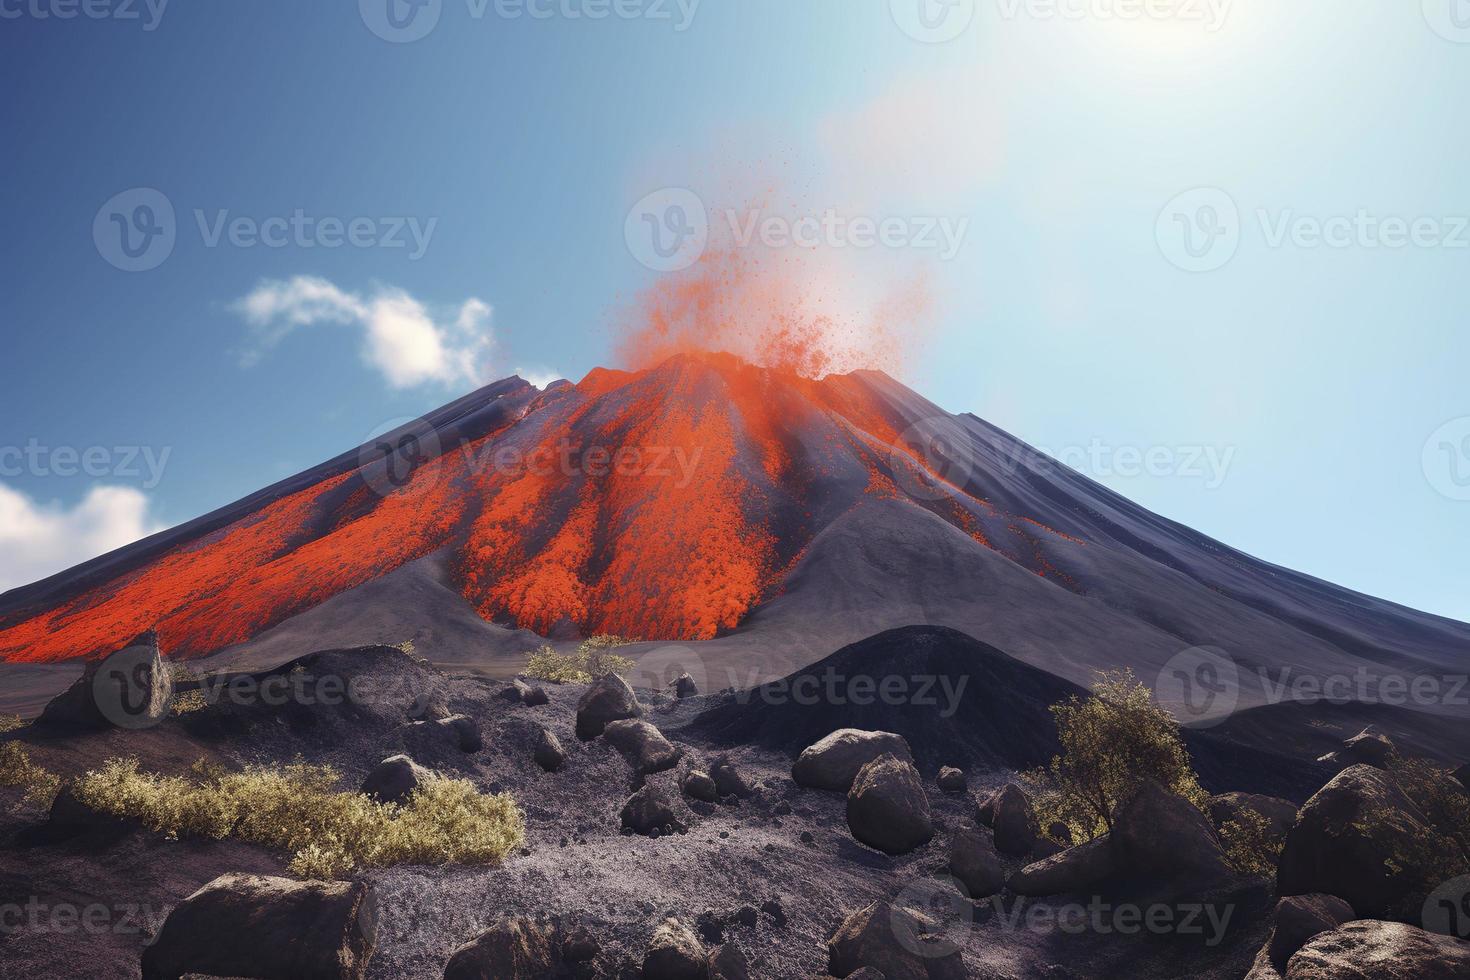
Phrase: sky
(1213, 253)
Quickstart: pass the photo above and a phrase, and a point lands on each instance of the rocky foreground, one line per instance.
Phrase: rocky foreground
(657, 846)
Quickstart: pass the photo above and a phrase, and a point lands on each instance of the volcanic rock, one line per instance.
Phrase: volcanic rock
(458, 730)
(1074, 870)
(727, 962)
(675, 953)
(972, 860)
(886, 807)
(699, 785)
(608, 699)
(1162, 834)
(549, 754)
(833, 762)
(1010, 815)
(512, 949)
(1373, 950)
(951, 780)
(729, 781)
(394, 779)
(1361, 839)
(643, 744)
(899, 943)
(129, 688)
(648, 810)
(1298, 918)
(1368, 748)
(1280, 814)
(685, 687)
(243, 925)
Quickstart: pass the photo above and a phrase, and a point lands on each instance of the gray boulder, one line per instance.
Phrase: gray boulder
(1076, 869)
(833, 762)
(458, 730)
(675, 953)
(1158, 833)
(1373, 950)
(130, 688)
(1299, 918)
(897, 942)
(1367, 748)
(699, 785)
(243, 925)
(972, 860)
(511, 949)
(609, 699)
(886, 807)
(549, 754)
(730, 781)
(1361, 839)
(394, 779)
(648, 810)
(951, 780)
(643, 745)
(685, 687)
(1009, 813)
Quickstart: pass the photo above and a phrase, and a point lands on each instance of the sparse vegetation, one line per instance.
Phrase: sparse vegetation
(17, 769)
(406, 646)
(300, 809)
(188, 701)
(1249, 845)
(10, 723)
(591, 661)
(1438, 796)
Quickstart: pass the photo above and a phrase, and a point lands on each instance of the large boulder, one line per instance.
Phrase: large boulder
(1074, 870)
(643, 744)
(1367, 748)
(886, 807)
(1362, 839)
(457, 730)
(972, 860)
(727, 962)
(833, 762)
(130, 688)
(1009, 813)
(1157, 833)
(675, 953)
(243, 925)
(511, 949)
(1299, 918)
(549, 754)
(1373, 950)
(649, 810)
(609, 699)
(1280, 814)
(899, 943)
(394, 779)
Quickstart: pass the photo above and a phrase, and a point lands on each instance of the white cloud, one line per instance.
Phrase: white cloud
(37, 540)
(401, 338)
(540, 377)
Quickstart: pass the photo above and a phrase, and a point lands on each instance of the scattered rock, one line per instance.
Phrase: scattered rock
(675, 953)
(773, 908)
(581, 946)
(899, 943)
(1367, 748)
(1160, 833)
(516, 692)
(1372, 950)
(833, 762)
(951, 780)
(698, 785)
(549, 754)
(71, 814)
(886, 807)
(685, 687)
(649, 810)
(608, 699)
(1074, 870)
(129, 688)
(394, 779)
(643, 744)
(1361, 839)
(1298, 918)
(243, 925)
(535, 697)
(1013, 820)
(459, 730)
(728, 963)
(972, 859)
(729, 781)
(512, 949)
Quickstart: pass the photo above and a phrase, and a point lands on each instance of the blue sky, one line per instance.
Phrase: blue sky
(1290, 378)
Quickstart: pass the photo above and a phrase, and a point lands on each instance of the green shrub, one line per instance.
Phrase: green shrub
(1112, 741)
(591, 661)
(17, 769)
(1249, 845)
(298, 808)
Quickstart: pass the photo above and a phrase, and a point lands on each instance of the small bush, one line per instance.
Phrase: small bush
(187, 702)
(1438, 795)
(1112, 741)
(9, 723)
(591, 661)
(298, 808)
(17, 769)
(1249, 846)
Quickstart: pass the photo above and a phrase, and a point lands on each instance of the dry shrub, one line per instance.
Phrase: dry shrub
(591, 661)
(9, 723)
(298, 808)
(17, 769)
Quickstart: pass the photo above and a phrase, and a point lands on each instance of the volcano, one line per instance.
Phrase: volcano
(757, 518)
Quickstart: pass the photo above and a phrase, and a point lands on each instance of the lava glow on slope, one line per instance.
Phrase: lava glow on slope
(660, 503)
